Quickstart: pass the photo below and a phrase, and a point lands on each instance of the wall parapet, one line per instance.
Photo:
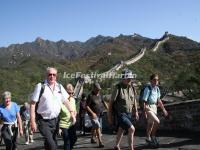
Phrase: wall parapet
(183, 102)
(182, 115)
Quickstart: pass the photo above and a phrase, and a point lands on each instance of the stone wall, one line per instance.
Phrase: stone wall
(182, 115)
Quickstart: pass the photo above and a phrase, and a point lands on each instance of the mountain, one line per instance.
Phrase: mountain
(16, 53)
(22, 65)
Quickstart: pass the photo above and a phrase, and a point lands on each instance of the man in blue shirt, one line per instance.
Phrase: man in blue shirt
(152, 100)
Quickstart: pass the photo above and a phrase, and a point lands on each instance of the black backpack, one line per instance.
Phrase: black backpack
(38, 116)
(141, 101)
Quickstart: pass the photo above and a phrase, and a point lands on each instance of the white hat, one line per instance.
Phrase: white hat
(127, 74)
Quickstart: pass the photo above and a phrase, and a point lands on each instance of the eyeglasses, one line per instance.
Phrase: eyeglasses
(156, 79)
(129, 79)
(70, 93)
(52, 74)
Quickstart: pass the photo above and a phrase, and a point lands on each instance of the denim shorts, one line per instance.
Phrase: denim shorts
(96, 123)
(124, 120)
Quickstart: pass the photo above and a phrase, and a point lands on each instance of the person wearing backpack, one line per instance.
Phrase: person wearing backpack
(123, 104)
(82, 112)
(151, 99)
(45, 107)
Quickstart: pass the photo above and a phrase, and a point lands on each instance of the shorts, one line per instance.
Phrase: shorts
(152, 107)
(124, 120)
(96, 123)
(152, 113)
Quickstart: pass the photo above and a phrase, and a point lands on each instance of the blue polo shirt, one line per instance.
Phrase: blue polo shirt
(9, 115)
(152, 96)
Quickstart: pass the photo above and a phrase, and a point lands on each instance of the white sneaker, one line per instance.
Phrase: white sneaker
(32, 141)
(27, 143)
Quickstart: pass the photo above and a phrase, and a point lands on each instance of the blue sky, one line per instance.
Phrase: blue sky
(25, 20)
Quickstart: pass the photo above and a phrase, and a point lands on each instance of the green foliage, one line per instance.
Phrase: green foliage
(188, 81)
(177, 62)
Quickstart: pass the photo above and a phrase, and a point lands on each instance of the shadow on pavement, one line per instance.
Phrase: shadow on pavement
(169, 145)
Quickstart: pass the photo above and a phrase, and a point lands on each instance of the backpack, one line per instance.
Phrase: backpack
(36, 105)
(141, 101)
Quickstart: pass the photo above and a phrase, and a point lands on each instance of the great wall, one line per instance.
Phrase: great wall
(182, 115)
(113, 70)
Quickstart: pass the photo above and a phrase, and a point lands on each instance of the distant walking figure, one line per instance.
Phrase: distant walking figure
(82, 112)
(25, 115)
(95, 105)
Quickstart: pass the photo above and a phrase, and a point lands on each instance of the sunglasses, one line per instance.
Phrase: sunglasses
(52, 74)
(70, 93)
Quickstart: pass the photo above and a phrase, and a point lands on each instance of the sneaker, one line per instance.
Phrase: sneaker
(149, 141)
(155, 141)
(93, 141)
(116, 148)
(101, 145)
(27, 143)
(31, 141)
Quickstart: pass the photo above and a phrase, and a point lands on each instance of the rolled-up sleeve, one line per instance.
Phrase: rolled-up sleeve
(146, 94)
(158, 93)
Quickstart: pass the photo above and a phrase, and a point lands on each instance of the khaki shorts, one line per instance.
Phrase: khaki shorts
(152, 113)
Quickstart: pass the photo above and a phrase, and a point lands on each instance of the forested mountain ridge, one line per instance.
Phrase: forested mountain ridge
(22, 65)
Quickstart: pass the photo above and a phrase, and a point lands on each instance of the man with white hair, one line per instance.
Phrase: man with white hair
(48, 108)
(123, 105)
